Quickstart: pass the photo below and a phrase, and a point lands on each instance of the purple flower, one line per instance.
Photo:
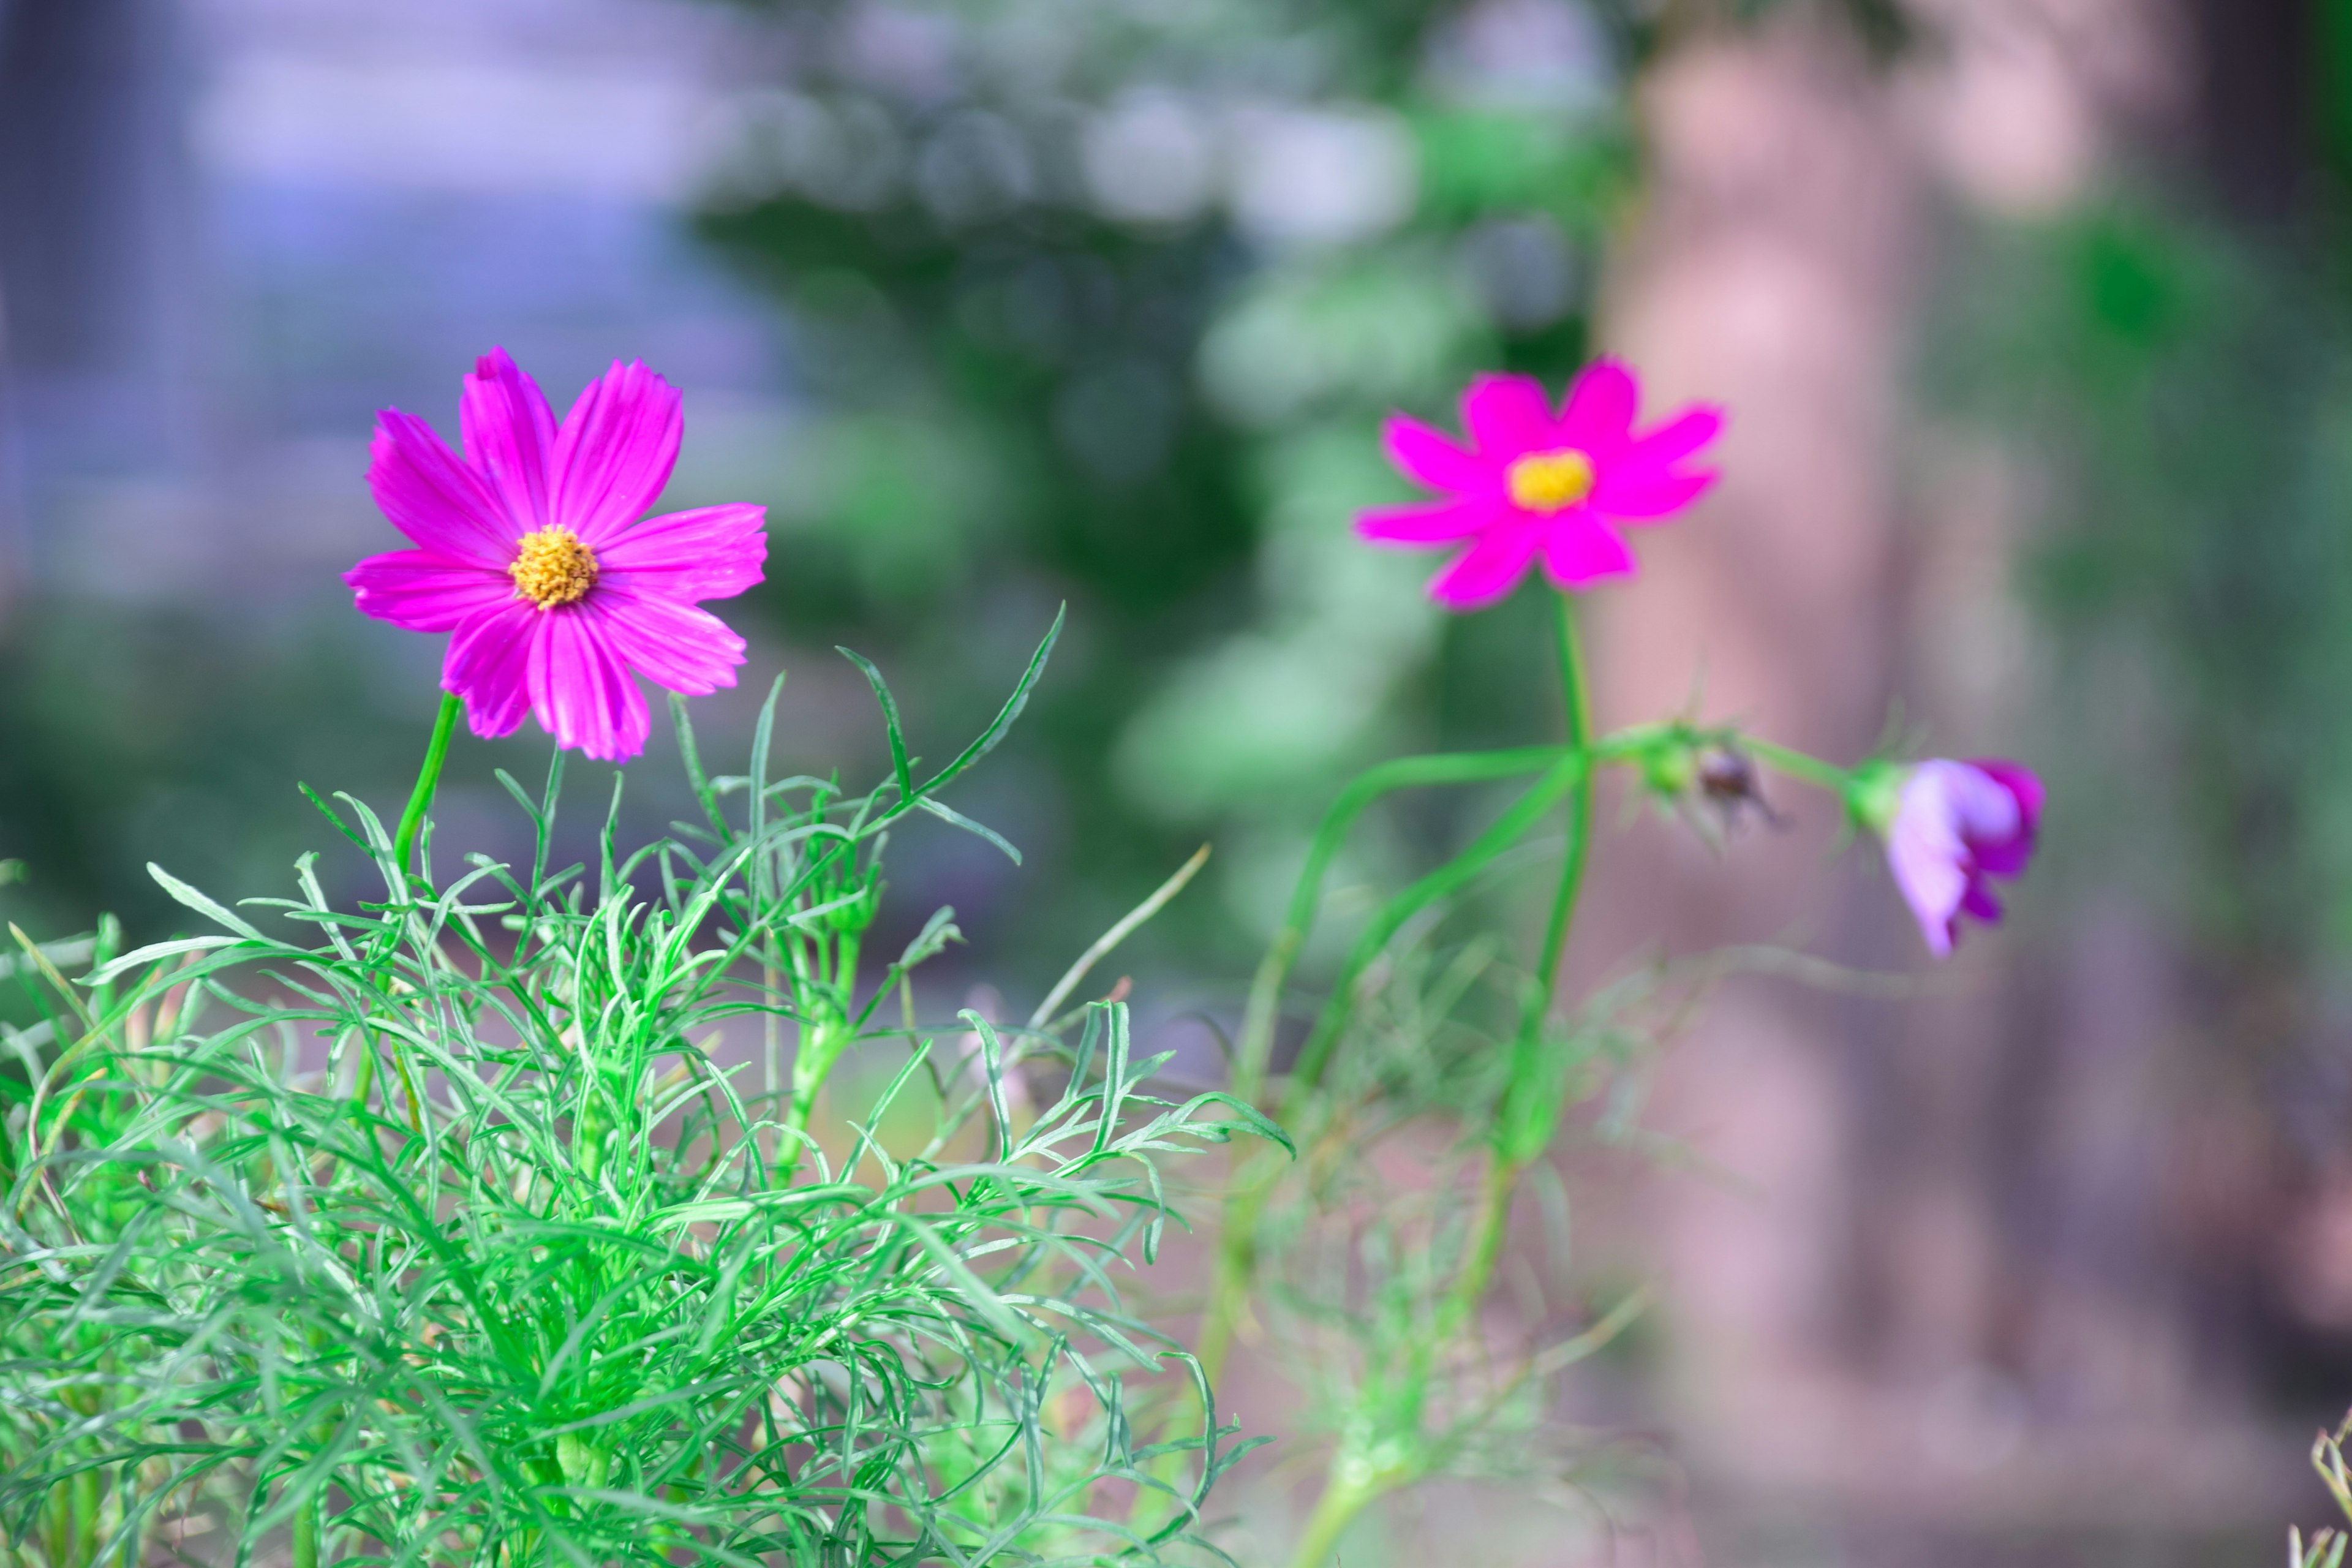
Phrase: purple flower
(1533, 485)
(529, 550)
(1956, 827)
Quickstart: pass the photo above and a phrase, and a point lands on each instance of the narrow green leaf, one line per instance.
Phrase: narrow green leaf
(949, 814)
(899, 767)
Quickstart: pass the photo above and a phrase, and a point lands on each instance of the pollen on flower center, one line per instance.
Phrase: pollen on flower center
(553, 568)
(1549, 481)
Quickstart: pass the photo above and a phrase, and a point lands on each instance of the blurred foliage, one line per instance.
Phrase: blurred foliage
(2189, 397)
(1103, 302)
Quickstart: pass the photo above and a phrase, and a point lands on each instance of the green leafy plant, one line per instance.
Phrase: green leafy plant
(448, 1228)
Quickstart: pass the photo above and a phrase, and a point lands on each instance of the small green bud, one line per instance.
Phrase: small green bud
(1671, 767)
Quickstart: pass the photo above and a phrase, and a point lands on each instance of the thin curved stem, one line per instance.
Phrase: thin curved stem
(1564, 775)
(428, 779)
(1256, 1045)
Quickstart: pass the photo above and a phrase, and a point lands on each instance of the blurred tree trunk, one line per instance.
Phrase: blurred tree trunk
(1988, 1248)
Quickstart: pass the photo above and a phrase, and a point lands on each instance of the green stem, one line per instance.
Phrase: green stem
(1496, 1191)
(821, 1047)
(87, 1499)
(1524, 1119)
(1335, 1511)
(428, 779)
(305, 1535)
(1257, 1041)
(1577, 702)
(1797, 765)
(1564, 775)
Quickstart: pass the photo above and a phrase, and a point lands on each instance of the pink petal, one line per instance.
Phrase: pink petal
(2019, 780)
(1599, 415)
(1487, 571)
(1581, 551)
(1678, 438)
(1648, 495)
(510, 436)
(1507, 416)
(670, 643)
(1931, 881)
(710, 552)
(1435, 459)
(1424, 522)
(1945, 811)
(618, 445)
(2003, 843)
(421, 592)
(433, 498)
(489, 665)
(581, 692)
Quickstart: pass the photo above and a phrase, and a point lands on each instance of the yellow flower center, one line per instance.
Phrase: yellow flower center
(554, 568)
(1547, 482)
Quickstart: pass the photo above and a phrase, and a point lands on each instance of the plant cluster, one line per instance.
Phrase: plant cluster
(1385, 1297)
(483, 1225)
(468, 1226)
(459, 1226)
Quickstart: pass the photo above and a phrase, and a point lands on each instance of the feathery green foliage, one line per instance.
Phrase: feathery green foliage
(448, 1230)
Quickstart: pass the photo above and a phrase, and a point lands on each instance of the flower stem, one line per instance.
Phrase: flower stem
(305, 1543)
(1797, 765)
(428, 778)
(1578, 700)
(1523, 1117)
(1335, 1511)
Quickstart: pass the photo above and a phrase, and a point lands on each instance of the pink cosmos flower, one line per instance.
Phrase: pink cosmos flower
(1533, 485)
(1956, 827)
(530, 552)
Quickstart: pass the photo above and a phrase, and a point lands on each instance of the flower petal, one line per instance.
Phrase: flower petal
(1424, 522)
(421, 592)
(1979, 901)
(618, 444)
(1507, 416)
(1927, 868)
(1581, 549)
(489, 665)
(1678, 438)
(669, 642)
(511, 437)
(1598, 417)
(433, 498)
(710, 552)
(1647, 495)
(1487, 571)
(1945, 809)
(2000, 842)
(1435, 459)
(2021, 781)
(580, 692)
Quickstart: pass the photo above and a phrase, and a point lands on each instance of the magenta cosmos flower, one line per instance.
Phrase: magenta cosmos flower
(1956, 827)
(530, 552)
(1533, 485)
